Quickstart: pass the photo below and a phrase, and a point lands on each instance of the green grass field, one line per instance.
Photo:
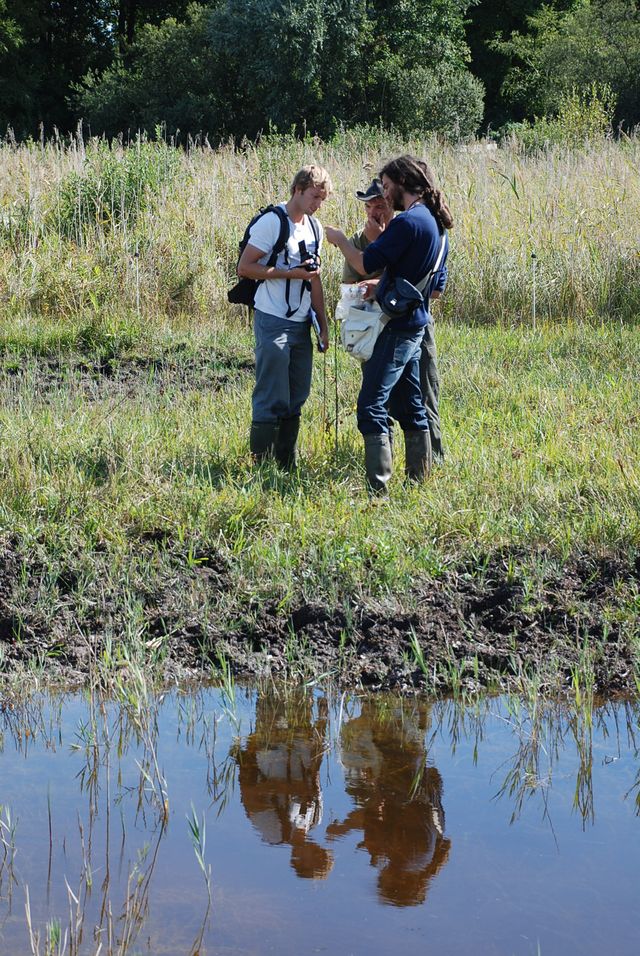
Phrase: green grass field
(125, 382)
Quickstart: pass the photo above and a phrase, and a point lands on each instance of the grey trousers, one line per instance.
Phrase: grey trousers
(284, 359)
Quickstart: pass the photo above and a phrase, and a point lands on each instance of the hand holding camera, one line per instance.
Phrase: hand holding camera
(309, 261)
(312, 264)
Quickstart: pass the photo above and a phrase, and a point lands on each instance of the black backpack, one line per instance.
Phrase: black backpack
(244, 291)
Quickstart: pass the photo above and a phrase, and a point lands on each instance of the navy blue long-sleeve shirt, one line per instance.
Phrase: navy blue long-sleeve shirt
(408, 249)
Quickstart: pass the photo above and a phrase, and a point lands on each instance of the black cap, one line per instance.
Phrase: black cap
(374, 191)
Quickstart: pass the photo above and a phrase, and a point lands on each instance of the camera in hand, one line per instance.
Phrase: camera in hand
(308, 260)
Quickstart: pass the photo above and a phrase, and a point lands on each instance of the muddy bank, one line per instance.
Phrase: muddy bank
(472, 628)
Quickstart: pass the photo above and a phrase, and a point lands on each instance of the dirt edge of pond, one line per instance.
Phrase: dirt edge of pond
(492, 625)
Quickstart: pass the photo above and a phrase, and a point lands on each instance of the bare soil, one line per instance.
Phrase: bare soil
(477, 627)
(101, 377)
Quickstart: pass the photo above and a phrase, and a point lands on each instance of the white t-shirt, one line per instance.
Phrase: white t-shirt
(271, 294)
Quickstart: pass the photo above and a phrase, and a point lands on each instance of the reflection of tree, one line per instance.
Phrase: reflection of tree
(397, 797)
(279, 777)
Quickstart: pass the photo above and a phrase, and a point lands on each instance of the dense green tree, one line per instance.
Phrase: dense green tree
(598, 41)
(418, 77)
(10, 42)
(244, 66)
(170, 76)
(59, 40)
(130, 16)
(46, 46)
(487, 21)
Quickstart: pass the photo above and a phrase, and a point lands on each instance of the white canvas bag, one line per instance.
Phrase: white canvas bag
(360, 329)
(362, 322)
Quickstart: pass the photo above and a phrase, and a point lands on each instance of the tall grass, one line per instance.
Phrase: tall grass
(88, 230)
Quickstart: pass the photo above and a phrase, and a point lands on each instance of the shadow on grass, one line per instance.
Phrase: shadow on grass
(308, 477)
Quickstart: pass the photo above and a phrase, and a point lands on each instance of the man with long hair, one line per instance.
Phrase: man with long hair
(409, 248)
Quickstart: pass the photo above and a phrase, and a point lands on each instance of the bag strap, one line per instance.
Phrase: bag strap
(314, 230)
(422, 285)
(281, 241)
(283, 235)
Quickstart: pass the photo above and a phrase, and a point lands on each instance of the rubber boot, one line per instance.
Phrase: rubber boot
(286, 442)
(378, 462)
(262, 440)
(437, 451)
(417, 455)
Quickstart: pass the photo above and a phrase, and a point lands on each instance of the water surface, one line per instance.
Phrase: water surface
(262, 822)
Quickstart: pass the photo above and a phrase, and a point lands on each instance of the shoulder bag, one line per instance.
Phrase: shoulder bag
(362, 325)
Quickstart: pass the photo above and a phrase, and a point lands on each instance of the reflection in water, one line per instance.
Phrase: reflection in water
(279, 776)
(397, 798)
(102, 861)
(95, 796)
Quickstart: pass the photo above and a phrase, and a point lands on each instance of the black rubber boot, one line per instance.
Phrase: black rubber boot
(437, 452)
(417, 455)
(378, 462)
(262, 440)
(287, 441)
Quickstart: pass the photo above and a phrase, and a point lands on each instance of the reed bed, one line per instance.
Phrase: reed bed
(89, 230)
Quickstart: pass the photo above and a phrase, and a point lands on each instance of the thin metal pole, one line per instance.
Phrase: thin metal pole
(534, 262)
(324, 393)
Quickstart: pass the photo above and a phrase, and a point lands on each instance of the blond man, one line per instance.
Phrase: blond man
(288, 291)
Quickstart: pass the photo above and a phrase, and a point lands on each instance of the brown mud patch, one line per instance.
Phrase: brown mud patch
(474, 628)
(98, 377)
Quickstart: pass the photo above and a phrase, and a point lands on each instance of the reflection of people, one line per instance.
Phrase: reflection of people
(279, 777)
(286, 293)
(379, 215)
(397, 798)
(409, 249)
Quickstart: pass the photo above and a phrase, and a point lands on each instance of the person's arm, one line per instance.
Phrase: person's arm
(353, 256)
(250, 268)
(439, 281)
(317, 304)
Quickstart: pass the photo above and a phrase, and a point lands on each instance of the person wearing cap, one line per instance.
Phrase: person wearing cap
(410, 248)
(379, 215)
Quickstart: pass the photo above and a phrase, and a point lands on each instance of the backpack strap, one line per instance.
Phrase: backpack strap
(283, 235)
(281, 241)
(306, 285)
(315, 231)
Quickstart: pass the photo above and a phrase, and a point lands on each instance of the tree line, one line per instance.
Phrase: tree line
(236, 68)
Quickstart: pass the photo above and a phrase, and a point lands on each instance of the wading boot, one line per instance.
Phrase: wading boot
(437, 452)
(286, 443)
(378, 462)
(262, 440)
(417, 455)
